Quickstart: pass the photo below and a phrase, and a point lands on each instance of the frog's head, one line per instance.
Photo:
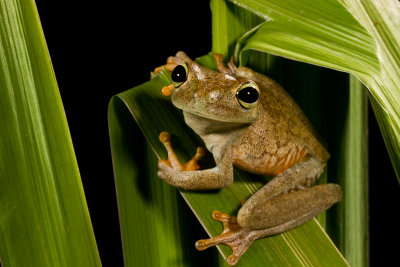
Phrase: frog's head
(211, 94)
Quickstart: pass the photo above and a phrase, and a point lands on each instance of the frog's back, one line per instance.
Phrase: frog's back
(282, 135)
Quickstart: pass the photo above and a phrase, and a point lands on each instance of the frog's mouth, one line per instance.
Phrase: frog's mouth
(206, 125)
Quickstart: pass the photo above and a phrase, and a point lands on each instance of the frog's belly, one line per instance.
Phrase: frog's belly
(267, 165)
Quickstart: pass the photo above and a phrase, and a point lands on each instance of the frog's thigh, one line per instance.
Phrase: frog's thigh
(292, 209)
(273, 206)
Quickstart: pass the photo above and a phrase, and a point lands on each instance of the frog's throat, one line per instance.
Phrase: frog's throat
(215, 134)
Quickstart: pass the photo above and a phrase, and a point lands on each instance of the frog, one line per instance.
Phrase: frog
(247, 121)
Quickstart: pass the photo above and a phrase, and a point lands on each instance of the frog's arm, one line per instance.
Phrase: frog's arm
(187, 177)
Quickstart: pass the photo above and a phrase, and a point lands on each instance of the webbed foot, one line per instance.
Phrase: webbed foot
(218, 58)
(171, 64)
(237, 238)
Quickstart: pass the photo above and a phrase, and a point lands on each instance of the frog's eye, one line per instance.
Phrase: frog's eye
(248, 95)
(179, 75)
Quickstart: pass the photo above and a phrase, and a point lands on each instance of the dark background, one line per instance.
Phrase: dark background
(99, 50)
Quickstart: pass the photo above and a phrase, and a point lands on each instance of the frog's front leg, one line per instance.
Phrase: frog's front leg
(187, 176)
(283, 204)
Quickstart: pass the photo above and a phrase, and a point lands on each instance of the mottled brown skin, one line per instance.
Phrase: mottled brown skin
(272, 138)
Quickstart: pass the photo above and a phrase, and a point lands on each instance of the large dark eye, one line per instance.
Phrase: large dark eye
(248, 95)
(179, 75)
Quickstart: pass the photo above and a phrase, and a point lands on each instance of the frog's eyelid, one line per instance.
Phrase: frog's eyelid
(249, 84)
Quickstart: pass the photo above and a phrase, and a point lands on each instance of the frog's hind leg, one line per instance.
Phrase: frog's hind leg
(288, 199)
(290, 210)
(283, 204)
(219, 60)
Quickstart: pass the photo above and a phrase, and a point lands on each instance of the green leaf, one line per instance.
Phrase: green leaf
(44, 219)
(229, 23)
(322, 30)
(352, 173)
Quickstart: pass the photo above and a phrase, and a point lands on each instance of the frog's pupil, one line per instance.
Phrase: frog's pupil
(179, 74)
(248, 95)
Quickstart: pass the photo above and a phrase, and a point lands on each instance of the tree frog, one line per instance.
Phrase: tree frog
(249, 121)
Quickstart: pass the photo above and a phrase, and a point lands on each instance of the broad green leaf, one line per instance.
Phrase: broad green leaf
(359, 37)
(322, 30)
(44, 219)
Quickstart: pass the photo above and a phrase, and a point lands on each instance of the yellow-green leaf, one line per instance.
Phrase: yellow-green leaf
(44, 220)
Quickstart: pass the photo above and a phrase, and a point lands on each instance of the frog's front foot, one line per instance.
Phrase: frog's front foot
(170, 65)
(236, 237)
(172, 164)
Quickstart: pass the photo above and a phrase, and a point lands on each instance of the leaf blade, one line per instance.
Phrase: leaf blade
(44, 219)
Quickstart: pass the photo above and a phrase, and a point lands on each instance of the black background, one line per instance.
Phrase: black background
(100, 49)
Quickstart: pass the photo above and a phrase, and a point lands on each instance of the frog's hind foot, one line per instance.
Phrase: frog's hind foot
(237, 238)
(173, 161)
(218, 58)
